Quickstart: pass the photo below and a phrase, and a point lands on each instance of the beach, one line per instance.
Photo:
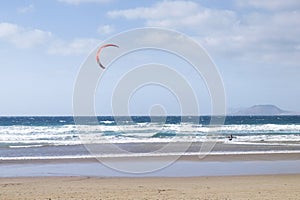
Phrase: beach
(161, 99)
(49, 158)
(273, 176)
(227, 187)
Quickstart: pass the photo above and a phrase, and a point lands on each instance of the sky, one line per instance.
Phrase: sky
(255, 45)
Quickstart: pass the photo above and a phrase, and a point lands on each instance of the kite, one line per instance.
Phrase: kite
(99, 50)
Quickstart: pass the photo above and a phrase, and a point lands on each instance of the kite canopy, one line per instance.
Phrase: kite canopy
(99, 51)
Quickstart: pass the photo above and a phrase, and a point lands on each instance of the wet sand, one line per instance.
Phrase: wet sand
(221, 179)
(208, 158)
(229, 187)
(160, 166)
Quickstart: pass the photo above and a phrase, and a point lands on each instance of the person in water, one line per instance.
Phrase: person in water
(230, 137)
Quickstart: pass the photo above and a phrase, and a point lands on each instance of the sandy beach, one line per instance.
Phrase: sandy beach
(150, 100)
(228, 187)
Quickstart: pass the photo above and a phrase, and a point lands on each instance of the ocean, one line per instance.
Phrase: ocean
(32, 137)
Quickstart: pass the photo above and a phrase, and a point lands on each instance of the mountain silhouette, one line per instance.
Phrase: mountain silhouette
(262, 110)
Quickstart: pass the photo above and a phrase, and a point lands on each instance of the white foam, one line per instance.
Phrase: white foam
(134, 155)
(146, 133)
(107, 122)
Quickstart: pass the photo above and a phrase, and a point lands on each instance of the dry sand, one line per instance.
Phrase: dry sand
(230, 187)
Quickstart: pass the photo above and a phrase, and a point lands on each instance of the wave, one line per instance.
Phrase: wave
(148, 132)
(142, 127)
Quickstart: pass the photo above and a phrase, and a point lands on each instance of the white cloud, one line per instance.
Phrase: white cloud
(269, 4)
(158, 10)
(78, 46)
(179, 14)
(23, 37)
(77, 2)
(267, 37)
(26, 9)
(105, 29)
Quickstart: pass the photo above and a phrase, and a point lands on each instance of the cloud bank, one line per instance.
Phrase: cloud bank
(267, 37)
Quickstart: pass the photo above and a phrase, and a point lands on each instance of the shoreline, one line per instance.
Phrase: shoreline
(221, 187)
(251, 156)
(212, 165)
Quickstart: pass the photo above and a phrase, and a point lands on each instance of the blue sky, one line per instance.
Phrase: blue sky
(254, 43)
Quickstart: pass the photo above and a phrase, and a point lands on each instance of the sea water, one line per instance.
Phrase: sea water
(34, 137)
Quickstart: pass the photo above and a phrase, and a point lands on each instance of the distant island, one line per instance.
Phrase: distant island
(263, 110)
